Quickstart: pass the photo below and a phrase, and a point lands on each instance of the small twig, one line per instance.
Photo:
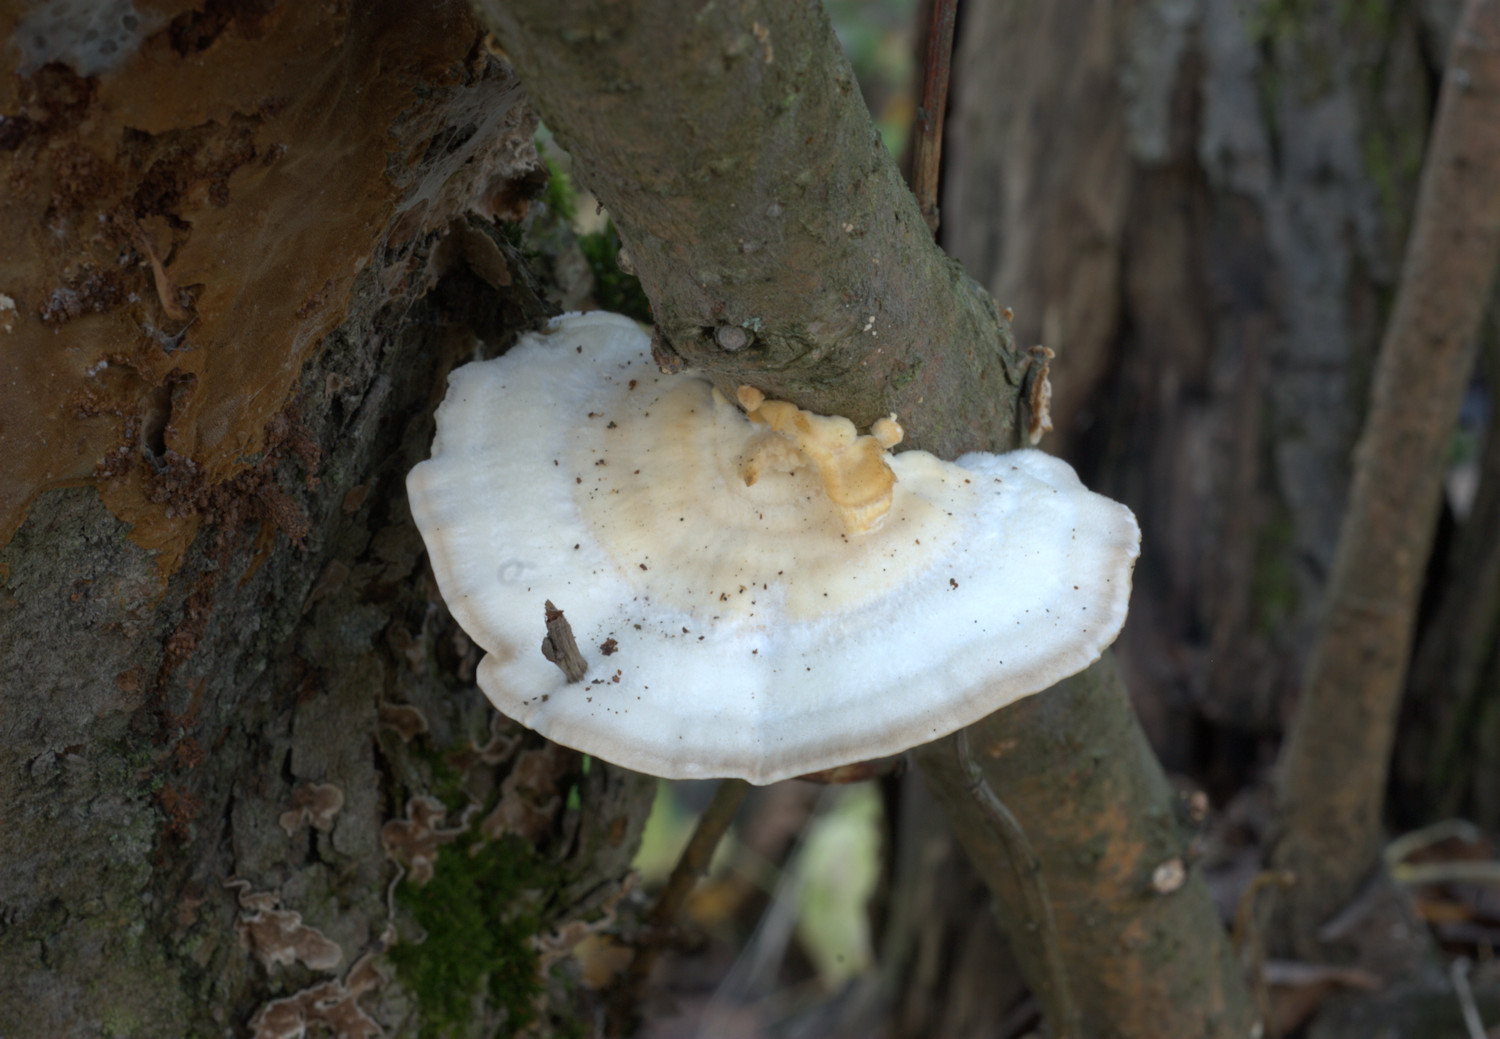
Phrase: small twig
(1028, 870)
(1408, 844)
(927, 156)
(1249, 941)
(560, 647)
(1244, 912)
(1464, 871)
(691, 866)
(1458, 971)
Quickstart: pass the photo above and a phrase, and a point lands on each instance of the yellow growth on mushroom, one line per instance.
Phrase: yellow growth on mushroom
(853, 468)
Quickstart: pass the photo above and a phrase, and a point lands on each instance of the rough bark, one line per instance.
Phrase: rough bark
(233, 713)
(731, 150)
(1331, 783)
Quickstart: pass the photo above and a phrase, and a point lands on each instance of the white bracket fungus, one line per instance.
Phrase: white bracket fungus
(758, 596)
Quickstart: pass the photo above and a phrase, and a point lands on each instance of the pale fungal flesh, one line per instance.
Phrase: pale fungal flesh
(734, 627)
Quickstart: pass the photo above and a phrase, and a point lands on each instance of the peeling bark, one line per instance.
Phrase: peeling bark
(222, 660)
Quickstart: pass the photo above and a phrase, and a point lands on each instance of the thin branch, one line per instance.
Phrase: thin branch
(1249, 938)
(693, 864)
(1458, 972)
(691, 867)
(1464, 871)
(1408, 844)
(928, 129)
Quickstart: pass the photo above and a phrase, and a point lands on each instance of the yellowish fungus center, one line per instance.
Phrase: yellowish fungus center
(853, 468)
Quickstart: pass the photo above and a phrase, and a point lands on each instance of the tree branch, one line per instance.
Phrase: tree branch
(733, 151)
(1073, 765)
(1332, 776)
(692, 866)
(732, 148)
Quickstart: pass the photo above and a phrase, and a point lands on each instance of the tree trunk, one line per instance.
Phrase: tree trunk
(757, 199)
(1202, 210)
(1331, 781)
(240, 745)
(1450, 771)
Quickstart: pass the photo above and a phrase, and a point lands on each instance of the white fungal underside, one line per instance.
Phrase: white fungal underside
(752, 636)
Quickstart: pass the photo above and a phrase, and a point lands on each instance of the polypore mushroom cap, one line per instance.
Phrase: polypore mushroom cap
(738, 629)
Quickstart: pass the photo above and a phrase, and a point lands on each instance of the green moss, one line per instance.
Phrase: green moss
(904, 377)
(613, 288)
(117, 1020)
(479, 924)
(443, 780)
